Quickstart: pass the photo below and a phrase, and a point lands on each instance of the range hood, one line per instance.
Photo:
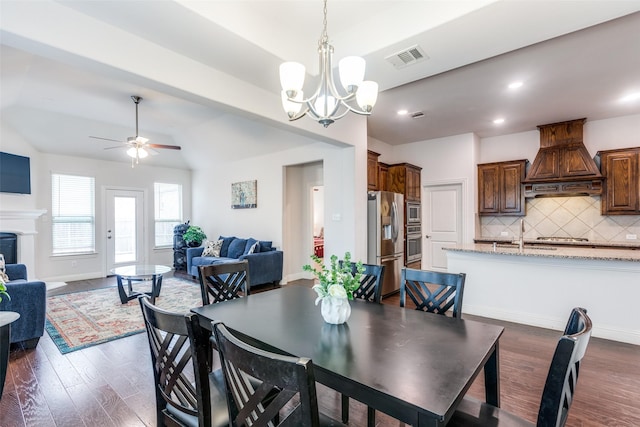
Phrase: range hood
(563, 166)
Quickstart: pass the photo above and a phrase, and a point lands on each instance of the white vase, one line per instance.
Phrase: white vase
(335, 310)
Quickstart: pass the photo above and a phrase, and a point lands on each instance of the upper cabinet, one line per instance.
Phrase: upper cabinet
(621, 170)
(372, 171)
(500, 188)
(404, 178)
(383, 176)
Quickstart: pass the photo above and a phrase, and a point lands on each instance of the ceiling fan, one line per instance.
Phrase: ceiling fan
(138, 146)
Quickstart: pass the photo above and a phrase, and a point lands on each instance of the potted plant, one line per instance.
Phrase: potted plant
(336, 287)
(194, 236)
(3, 290)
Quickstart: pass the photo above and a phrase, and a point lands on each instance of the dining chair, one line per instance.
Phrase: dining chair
(224, 282)
(187, 393)
(433, 291)
(290, 378)
(559, 387)
(370, 290)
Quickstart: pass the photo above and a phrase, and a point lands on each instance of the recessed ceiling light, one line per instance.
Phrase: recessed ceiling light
(402, 112)
(631, 97)
(515, 85)
(498, 121)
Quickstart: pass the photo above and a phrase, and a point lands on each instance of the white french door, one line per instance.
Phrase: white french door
(124, 227)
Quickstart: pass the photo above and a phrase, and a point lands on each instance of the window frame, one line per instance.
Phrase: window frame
(70, 218)
(156, 210)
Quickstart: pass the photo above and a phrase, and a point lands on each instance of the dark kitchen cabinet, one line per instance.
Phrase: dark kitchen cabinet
(404, 178)
(621, 171)
(383, 176)
(500, 188)
(372, 171)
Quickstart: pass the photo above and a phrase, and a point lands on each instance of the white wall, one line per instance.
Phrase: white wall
(121, 175)
(107, 174)
(344, 179)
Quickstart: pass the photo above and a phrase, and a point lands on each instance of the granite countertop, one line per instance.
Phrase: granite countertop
(549, 251)
(632, 244)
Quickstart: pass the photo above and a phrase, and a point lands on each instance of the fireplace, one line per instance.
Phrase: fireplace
(22, 225)
(9, 247)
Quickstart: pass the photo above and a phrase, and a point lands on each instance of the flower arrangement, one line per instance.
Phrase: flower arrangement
(337, 280)
(3, 290)
(194, 234)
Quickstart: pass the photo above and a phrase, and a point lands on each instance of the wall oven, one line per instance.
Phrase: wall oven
(413, 213)
(414, 243)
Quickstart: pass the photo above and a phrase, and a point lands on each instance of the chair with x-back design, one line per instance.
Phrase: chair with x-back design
(433, 291)
(223, 282)
(370, 290)
(252, 375)
(180, 354)
(558, 390)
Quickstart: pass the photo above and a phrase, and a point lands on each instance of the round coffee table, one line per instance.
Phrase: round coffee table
(139, 273)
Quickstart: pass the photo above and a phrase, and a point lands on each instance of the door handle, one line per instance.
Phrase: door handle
(427, 236)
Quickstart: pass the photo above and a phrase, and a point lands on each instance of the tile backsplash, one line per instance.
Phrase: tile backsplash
(564, 217)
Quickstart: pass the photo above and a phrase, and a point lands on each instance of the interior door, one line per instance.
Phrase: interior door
(442, 223)
(124, 227)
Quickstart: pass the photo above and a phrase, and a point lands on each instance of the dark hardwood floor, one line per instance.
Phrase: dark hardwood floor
(112, 385)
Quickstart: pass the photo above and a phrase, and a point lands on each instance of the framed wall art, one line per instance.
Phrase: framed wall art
(244, 195)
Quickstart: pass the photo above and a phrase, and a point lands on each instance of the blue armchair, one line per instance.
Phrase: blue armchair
(29, 299)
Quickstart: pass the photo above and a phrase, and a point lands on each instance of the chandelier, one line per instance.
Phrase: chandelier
(327, 105)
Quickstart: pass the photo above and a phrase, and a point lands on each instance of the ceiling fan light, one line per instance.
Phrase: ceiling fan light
(142, 153)
(292, 77)
(351, 69)
(367, 95)
(131, 152)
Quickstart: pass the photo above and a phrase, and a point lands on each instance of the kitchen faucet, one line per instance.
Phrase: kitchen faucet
(521, 236)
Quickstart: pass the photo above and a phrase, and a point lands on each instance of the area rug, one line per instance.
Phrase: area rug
(84, 319)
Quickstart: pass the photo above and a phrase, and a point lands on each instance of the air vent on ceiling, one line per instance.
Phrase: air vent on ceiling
(417, 115)
(406, 57)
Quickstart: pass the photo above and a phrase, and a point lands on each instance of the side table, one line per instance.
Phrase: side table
(139, 273)
(6, 319)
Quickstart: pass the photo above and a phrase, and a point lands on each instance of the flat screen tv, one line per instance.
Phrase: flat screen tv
(15, 174)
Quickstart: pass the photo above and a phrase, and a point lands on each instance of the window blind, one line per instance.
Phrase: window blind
(73, 214)
(168, 211)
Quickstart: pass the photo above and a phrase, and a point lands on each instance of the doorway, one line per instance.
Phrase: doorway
(125, 227)
(442, 223)
(298, 227)
(317, 211)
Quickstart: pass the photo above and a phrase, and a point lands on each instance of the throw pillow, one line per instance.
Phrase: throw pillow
(265, 245)
(212, 248)
(247, 248)
(255, 248)
(236, 248)
(224, 251)
(3, 273)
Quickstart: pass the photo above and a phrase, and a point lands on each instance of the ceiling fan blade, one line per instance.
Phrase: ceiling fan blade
(106, 139)
(111, 148)
(170, 147)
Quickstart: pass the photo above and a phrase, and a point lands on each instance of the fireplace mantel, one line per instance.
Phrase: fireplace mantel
(23, 223)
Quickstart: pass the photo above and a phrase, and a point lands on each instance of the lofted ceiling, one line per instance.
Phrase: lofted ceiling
(63, 77)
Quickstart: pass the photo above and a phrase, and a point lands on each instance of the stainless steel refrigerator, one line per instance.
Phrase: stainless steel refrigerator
(385, 236)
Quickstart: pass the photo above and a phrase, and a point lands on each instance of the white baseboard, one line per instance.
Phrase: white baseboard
(601, 331)
(74, 277)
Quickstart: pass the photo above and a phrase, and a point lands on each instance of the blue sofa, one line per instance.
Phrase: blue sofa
(265, 263)
(29, 299)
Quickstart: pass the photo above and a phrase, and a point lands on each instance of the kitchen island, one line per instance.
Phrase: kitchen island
(540, 285)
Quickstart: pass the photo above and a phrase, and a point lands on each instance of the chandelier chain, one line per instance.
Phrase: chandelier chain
(325, 37)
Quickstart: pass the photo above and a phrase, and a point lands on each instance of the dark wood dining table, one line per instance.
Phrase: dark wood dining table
(411, 365)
